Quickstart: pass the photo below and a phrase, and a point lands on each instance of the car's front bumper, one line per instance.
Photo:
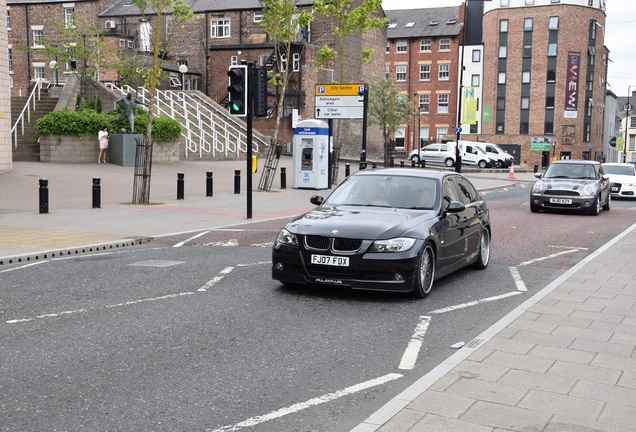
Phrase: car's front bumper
(560, 202)
(370, 271)
(619, 190)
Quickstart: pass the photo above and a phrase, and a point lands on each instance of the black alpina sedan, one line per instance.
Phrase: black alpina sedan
(390, 229)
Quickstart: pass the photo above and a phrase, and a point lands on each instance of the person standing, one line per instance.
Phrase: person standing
(102, 137)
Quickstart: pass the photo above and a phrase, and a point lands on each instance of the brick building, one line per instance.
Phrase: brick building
(545, 80)
(221, 33)
(422, 60)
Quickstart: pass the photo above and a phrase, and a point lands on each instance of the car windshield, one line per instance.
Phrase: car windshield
(571, 171)
(385, 191)
(619, 169)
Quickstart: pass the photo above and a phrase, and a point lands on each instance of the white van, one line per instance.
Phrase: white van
(496, 153)
(473, 155)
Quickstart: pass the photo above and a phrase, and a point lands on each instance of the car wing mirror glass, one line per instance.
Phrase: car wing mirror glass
(538, 175)
(316, 199)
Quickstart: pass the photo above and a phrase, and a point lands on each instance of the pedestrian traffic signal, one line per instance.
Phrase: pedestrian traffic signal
(237, 89)
(262, 93)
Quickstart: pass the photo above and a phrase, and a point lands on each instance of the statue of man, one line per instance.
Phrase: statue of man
(128, 111)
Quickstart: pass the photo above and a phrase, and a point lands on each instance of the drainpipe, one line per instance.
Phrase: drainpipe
(28, 52)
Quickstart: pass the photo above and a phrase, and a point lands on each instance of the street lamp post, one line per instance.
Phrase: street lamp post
(627, 108)
(417, 140)
(183, 68)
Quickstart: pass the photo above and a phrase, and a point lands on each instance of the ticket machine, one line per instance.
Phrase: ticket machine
(311, 155)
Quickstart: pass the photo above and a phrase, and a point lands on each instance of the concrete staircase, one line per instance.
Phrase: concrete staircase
(28, 149)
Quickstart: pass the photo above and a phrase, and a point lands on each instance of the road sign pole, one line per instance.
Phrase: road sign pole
(365, 109)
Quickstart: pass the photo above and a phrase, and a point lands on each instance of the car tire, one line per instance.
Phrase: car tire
(596, 206)
(424, 273)
(449, 162)
(416, 159)
(608, 205)
(534, 208)
(482, 164)
(498, 164)
(484, 250)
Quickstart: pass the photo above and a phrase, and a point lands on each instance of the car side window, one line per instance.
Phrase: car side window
(465, 191)
(450, 192)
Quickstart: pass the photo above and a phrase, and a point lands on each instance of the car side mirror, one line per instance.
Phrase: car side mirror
(316, 199)
(538, 175)
(455, 207)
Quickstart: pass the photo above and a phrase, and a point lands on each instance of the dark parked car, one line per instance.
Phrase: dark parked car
(387, 230)
(575, 185)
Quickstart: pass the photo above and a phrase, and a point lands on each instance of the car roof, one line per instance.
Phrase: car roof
(617, 163)
(576, 161)
(419, 173)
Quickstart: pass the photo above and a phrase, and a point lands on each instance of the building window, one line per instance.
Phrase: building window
(503, 51)
(593, 25)
(220, 28)
(441, 132)
(525, 103)
(632, 122)
(587, 132)
(258, 16)
(527, 24)
(71, 63)
(400, 73)
(424, 103)
(529, 2)
(425, 45)
(503, 26)
(283, 62)
(400, 46)
(549, 102)
(591, 54)
(527, 51)
(555, 1)
(589, 82)
(552, 49)
(69, 17)
(442, 104)
(554, 23)
(8, 19)
(388, 47)
(131, 44)
(38, 37)
(38, 72)
(501, 103)
(589, 106)
(501, 79)
(548, 128)
(474, 80)
(387, 70)
(444, 44)
(10, 59)
(296, 62)
(234, 60)
(551, 75)
(525, 77)
(144, 36)
(505, 3)
(474, 128)
(425, 72)
(443, 73)
(523, 128)
(399, 137)
(476, 56)
(632, 142)
(122, 43)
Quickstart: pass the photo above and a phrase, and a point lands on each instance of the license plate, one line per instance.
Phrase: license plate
(560, 201)
(615, 188)
(330, 260)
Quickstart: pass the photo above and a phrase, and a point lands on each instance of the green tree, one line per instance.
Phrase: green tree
(388, 109)
(179, 13)
(282, 22)
(346, 19)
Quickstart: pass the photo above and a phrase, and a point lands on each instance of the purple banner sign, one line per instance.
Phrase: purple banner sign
(572, 85)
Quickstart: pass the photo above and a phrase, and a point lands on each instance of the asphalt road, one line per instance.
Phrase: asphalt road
(191, 333)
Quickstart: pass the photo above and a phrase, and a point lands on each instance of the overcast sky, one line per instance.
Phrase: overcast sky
(621, 17)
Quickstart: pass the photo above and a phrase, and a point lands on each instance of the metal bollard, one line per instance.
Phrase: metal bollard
(180, 185)
(392, 162)
(347, 170)
(44, 196)
(412, 163)
(97, 192)
(401, 164)
(237, 181)
(283, 178)
(374, 165)
(423, 163)
(208, 184)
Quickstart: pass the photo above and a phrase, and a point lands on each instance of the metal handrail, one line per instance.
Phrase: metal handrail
(205, 127)
(27, 108)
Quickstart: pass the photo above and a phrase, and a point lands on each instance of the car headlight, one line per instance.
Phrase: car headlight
(399, 244)
(537, 187)
(590, 189)
(630, 184)
(286, 238)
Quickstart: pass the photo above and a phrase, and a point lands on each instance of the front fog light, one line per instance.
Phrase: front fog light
(278, 266)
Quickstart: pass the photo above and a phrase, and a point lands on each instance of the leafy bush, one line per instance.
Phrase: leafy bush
(89, 121)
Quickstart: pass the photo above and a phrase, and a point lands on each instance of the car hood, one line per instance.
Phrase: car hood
(564, 184)
(359, 222)
(618, 178)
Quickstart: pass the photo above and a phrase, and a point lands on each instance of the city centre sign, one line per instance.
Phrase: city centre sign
(339, 101)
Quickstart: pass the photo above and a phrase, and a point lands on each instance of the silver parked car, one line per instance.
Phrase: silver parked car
(574, 185)
(435, 153)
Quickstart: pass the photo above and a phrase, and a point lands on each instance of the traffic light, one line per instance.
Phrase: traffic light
(237, 89)
(262, 93)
